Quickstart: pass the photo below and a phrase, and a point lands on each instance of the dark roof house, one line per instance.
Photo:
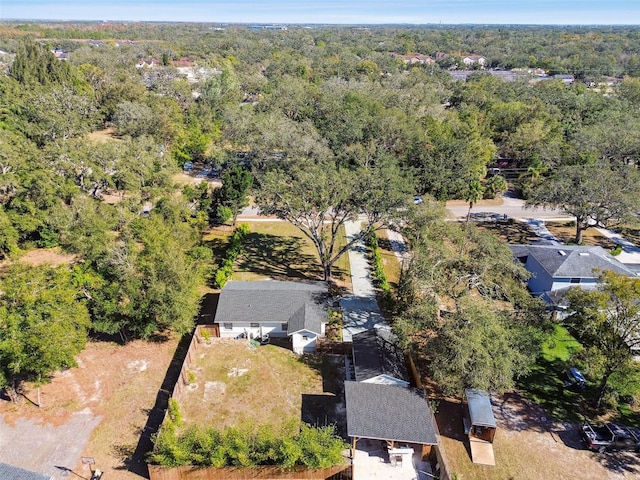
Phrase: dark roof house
(274, 308)
(555, 268)
(386, 412)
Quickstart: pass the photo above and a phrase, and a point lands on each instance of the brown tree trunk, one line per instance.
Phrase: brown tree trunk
(602, 387)
(579, 230)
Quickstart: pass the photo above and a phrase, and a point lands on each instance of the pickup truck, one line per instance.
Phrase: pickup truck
(611, 436)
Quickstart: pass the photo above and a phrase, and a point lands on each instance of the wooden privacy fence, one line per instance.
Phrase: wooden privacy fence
(333, 348)
(342, 472)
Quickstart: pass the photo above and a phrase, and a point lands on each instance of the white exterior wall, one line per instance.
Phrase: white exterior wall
(241, 330)
(301, 345)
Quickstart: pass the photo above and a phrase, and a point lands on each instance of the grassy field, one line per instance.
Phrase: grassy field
(279, 250)
(392, 266)
(545, 385)
(235, 383)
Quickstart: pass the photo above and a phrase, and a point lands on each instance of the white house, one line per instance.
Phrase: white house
(473, 59)
(274, 309)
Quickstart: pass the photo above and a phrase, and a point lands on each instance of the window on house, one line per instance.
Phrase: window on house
(284, 326)
(305, 338)
(227, 326)
(575, 280)
(255, 325)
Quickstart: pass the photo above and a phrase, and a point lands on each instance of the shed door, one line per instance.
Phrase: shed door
(482, 452)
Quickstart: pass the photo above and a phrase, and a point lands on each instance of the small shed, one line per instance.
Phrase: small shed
(480, 425)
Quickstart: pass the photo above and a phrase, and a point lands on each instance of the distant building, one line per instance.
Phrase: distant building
(474, 59)
(414, 58)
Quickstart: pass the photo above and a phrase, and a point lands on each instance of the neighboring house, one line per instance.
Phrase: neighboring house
(556, 268)
(274, 309)
(60, 54)
(473, 59)
(147, 63)
(414, 58)
(183, 62)
(377, 358)
(9, 472)
(566, 79)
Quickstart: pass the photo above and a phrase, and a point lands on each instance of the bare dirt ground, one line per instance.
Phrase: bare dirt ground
(100, 409)
(530, 446)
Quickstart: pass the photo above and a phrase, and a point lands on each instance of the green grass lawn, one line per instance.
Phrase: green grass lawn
(279, 250)
(545, 384)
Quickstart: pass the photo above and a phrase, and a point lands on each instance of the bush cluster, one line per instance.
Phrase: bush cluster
(298, 444)
(224, 272)
(380, 277)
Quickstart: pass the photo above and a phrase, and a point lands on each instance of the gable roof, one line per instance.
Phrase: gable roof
(480, 411)
(272, 301)
(385, 412)
(307, 317)
(564, 261)
(376, 353)
(9, 472)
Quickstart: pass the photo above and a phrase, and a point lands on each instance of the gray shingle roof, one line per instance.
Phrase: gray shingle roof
(480, 411)
(307, 317)
(9, 472)
(386, 412)
(271, 301)
(375, 352)
(563, 261)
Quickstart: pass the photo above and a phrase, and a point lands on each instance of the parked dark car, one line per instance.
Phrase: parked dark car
(610, 437)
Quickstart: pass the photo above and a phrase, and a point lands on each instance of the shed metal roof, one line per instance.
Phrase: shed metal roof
(386, 412)
(480, 411)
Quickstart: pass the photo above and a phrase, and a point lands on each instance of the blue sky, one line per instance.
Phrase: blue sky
(563, 12)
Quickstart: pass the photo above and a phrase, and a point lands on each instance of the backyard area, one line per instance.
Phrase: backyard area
(236, 382)
(90, 411)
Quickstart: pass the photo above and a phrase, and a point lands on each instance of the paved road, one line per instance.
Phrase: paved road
(511, 207)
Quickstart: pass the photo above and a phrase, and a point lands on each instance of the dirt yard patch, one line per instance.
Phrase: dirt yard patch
(482, 203)
(529, 446)
(234, 382)
(103, 136)
(48, 256)
(510, 232)
(566, 233)
(98, 409)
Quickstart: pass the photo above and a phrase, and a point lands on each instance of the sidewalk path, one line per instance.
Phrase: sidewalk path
(541, 230)
(360, 310)
(398, 246)
(630, 253)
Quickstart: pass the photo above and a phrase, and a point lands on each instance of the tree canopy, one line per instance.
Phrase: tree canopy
(607, 323)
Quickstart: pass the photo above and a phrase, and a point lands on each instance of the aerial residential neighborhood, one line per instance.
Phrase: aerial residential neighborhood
(255, 241)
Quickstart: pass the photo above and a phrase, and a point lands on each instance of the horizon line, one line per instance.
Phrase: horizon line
(407, 24)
